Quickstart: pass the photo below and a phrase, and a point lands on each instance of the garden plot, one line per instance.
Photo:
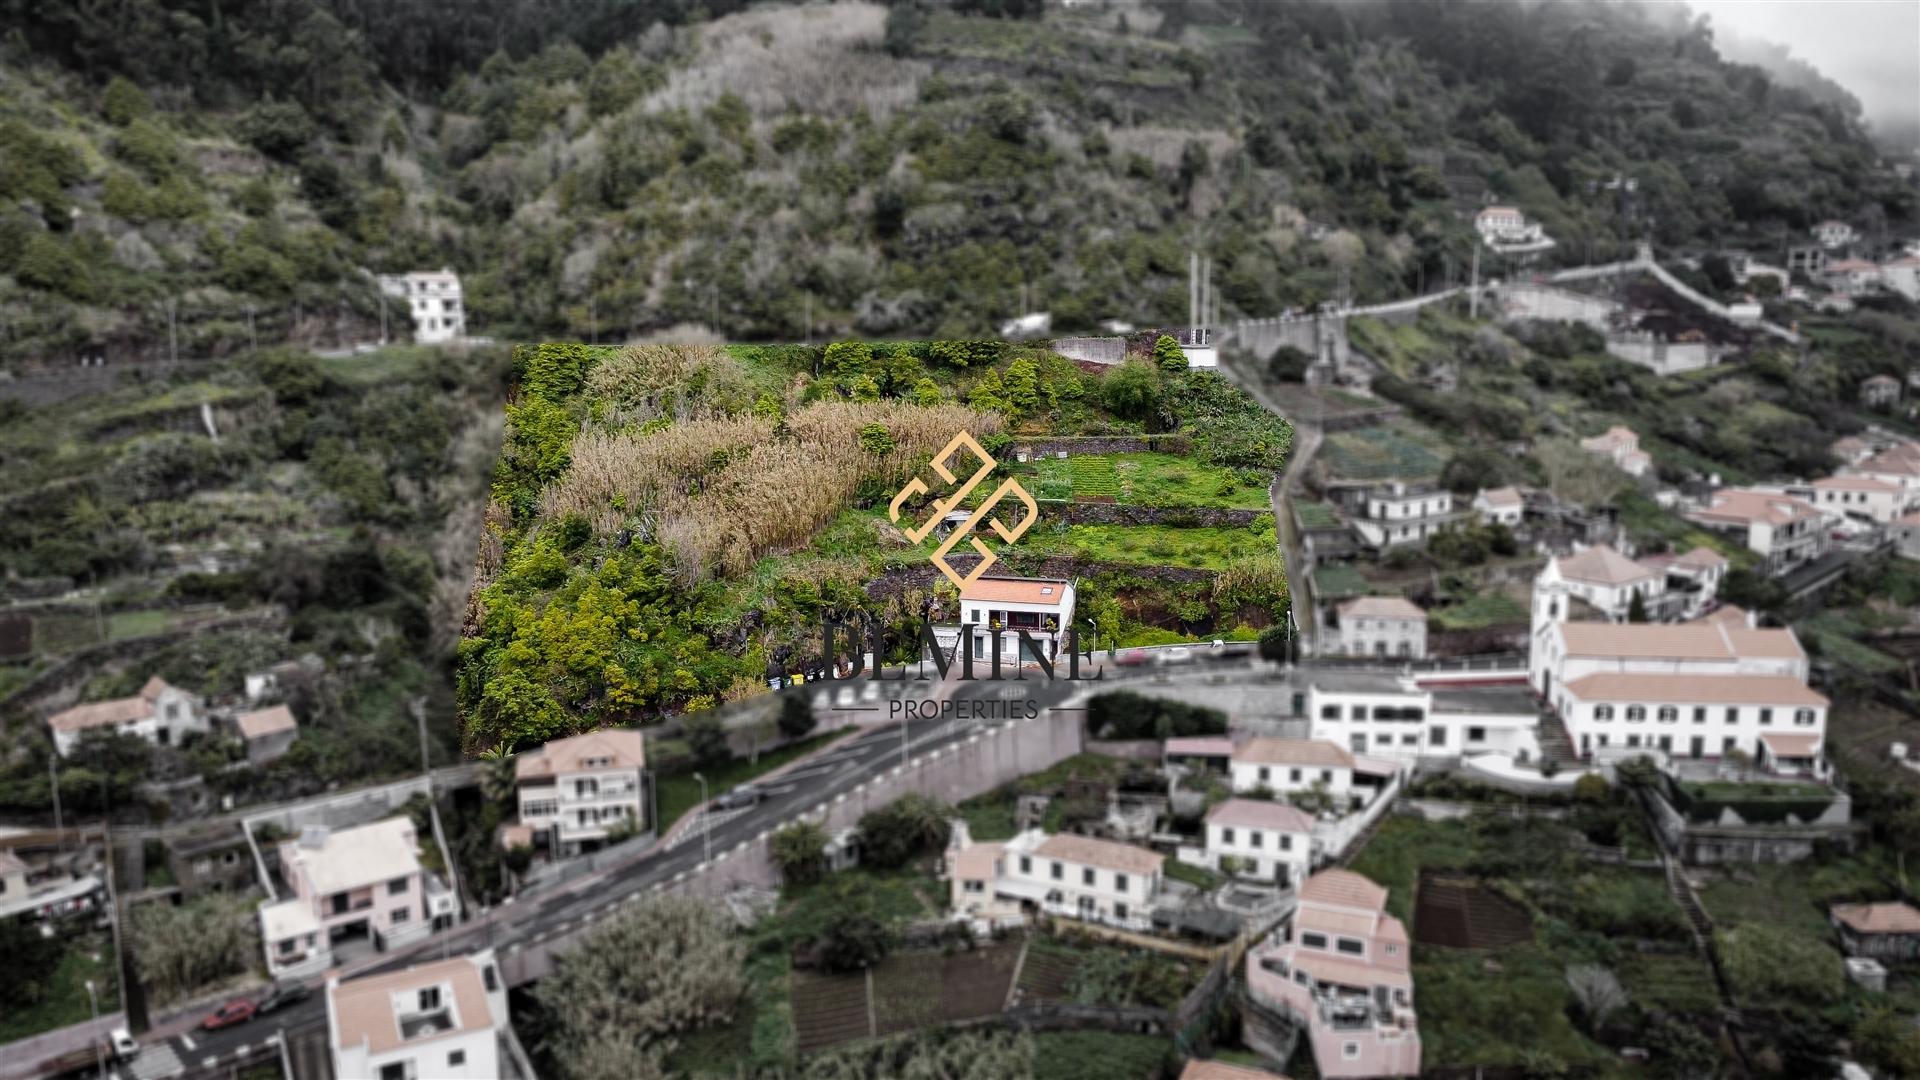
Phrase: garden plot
(1459, 913)
(1398, 451)
(908, 991)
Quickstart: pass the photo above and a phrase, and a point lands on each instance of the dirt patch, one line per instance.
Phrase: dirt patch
(911, 990)
(1457, 912)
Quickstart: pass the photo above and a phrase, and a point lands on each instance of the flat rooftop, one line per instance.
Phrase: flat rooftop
(1501, 700)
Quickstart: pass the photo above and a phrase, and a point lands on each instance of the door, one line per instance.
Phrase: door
(1698, 748)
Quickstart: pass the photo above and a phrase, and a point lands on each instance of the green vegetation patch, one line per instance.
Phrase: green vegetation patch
(1492, 608)
(1399, 450)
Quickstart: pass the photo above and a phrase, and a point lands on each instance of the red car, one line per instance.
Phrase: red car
(237, 1011)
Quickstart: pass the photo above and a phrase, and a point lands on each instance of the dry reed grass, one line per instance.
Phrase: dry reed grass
(819, 58)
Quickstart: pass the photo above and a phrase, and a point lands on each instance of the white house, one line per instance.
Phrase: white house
(434, 300)
(1851, 277)
(1382, 626)
(1834, 234)
(1668, 586)
(1076, 877)
(1783, 530)
(160, 713)
(575, 791)
(1285, 766)
(1389, 716)
(1902, 275)
(1267, 840)
(363, 882)
(1856, 496)
(1621, 446)
(439, 1021)
(1501, 505)
(1898, 465)
(1042, 608)
(1506, 230)
(1401, 513)
(1906, 536)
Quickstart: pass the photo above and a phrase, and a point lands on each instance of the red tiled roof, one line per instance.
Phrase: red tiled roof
(1016, 591)
(1603, 565)
(1274, 750)
(626, 747)
(1892, 917)
(1382, 607)
(1344, 888)
(1261, 814)
(1696, 689)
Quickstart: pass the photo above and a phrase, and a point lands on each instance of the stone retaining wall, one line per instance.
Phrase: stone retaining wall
(1105, 444)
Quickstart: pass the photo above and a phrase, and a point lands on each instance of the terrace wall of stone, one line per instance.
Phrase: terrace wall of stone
(1104, 444)
(1185, 517)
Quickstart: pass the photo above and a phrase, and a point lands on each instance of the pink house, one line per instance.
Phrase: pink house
(364, 882)
(1341, 973)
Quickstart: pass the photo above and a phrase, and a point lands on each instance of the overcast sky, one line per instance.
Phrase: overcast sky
(1871, 47)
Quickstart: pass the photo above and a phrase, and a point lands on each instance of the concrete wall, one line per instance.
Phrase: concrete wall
(1529, 301)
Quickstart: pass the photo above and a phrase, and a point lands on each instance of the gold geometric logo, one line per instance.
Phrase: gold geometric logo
(945, 506)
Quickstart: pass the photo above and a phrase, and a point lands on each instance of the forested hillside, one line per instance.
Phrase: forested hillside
(603, 169)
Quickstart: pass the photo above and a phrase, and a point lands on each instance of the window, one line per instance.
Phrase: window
(1226, 836)
(1326, 776)
(1733, 714)
(1476, 734)
(974, 885)
(429, 999)
(1253, 838)
(1728, 744)
(1329, 712)
(1669, 714)
(1313, 940)
(1393, 950)
(400, 915)
(456, 1058)
(1699, 714)
(1119, 911)
(1803, 717)
(1603, 712)
(1358, 712)
(1351, 946)
(1436, 736)
(1383, 739)
(1266, 774)
(1286, 842)
(1636, 713)
(1120, 883)
(491, 977)
(1059, 872)
(396, 886)
(1026, 865)
(1086, 876)
(1350, 1050)
(1293, 776)
(394, 1070)
(1633, 741)
(1409, 740)
(1766, 717)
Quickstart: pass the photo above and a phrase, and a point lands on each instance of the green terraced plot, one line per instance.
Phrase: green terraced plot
(1401, 450)
(1196, 548)
(1093, 476)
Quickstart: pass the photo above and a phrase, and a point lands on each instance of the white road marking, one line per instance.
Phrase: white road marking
(186, 1040)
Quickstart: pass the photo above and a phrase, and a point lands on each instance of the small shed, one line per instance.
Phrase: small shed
(268, 732)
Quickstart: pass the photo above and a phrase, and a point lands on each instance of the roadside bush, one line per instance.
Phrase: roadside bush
(1124, 714)
(892, 835)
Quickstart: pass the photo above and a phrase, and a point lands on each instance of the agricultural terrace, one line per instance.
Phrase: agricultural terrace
(1533, 908)
(669, 523)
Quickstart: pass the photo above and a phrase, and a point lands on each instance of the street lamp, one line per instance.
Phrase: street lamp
(706, 825)
(99, 1054)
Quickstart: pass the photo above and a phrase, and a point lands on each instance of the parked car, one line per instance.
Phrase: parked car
(237, 1011)
(1179, 654)
(744, 795)
(1132, 658)
(280, 995)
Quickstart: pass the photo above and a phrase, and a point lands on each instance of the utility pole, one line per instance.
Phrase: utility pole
(426, 766)
(383, 319)
(1193, 288)
(1473, 290)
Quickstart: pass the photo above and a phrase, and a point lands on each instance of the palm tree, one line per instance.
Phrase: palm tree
(799, 852)
(497, 782)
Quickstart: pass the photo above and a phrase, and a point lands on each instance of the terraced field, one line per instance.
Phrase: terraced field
(1457, 913)
(1094, 477)
(1400, 450)
(828, 1010)
(911, 990)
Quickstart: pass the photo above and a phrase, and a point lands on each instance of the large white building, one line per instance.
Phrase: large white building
(1381, 626)
(1267, 840)
(1285, 766)
(160, 713)
(1402, 513)
(1076, 877)
(575, 791)
(1667, 586)
(1506, 230)
(1860, 497)
(1392, 716)
(1699, 690)
(1898, 465)
(1784, 531)
(440, 1021)
(433, 300)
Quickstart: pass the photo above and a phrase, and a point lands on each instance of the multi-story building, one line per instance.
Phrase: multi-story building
(1500, 506)
(1784, 531)
(160, 713)
(1402, 513)
(1700, 690)
(1666, 586)
(1898, 465)
(1391, 716)
(1860, 497)
(1506, 230)
(46, 889)
(574, 792)
(447, 1020)
(364, 882)
(1284, 766)
(434, 300)
(1341, 973)
(1266, 840)
(1041, 608)
(1621, 446)
(1382, 626)
(1077, 877)
(209, 860)
(1851, 277)
(1834, 234)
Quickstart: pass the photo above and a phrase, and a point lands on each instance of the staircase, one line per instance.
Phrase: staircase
(1682, 894)
(1555, 744)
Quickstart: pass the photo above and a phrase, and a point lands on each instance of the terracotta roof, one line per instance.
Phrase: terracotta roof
(1850, 266)
(1219, 1070)
(1382, 607)
(1261, 814)
(1728, 614)
(1678, 641)
(264, 722)
(1273, 750)
(351, 858)
(1090, 851)
(1335, 921)
(1892, 917)
(1486, 211)
(976, 860)
(1615, 436)
(125, 710)
(1696, 689)
(363, 1008)
(1855, 483)
(1603, 565)
(1199, 746)
(1741, 506)
(626, 747)
(1789, 745)
(1344, 888)
(1898, 461)
(1016, 590)
(1501, 496)
(1702, 557)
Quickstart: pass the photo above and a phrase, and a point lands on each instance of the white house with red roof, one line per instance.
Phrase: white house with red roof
(1856, 496)
(1851, 277)
(161, 713)
(1266, 840)
(445, 1020)
(1381, 626)
(1059, 874)
(1341, 972)
(1668, 586)
(1388, 719)
(1784, 531)
(575, 791)
(1889, 930)
(1899, 465)
(268, 732)
(1620, 445)
(1040, 608)
(1501, 505)
(1284, 766)
(1833, 233)
(1506, 230)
